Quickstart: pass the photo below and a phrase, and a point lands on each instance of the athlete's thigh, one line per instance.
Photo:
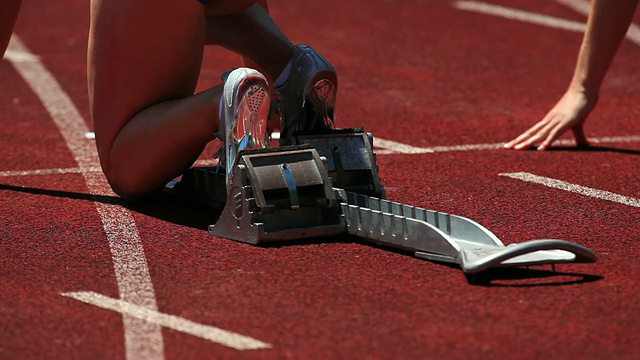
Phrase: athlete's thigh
(140, 53)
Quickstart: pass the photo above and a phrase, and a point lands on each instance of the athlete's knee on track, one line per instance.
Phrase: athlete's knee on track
(129, 185)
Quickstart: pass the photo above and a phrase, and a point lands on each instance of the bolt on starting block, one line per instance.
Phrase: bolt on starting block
(329, 186)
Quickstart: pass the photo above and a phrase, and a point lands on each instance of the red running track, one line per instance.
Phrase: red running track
(79, 267)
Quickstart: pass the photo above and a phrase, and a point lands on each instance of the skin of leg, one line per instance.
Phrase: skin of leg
(253, 34)
(212, 12)
(9, 10)
(143, 66)
(227, 7)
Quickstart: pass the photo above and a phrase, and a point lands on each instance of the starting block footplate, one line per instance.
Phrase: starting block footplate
(290, 193)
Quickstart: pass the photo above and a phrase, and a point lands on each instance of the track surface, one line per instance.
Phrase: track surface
(85, 275)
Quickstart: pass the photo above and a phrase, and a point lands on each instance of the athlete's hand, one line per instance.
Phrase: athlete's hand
(569, 113)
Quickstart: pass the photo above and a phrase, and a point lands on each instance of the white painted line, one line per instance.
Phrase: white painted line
(584, 7)
(143, 340)
(206, 162)
(49, 171)
(399, 147)
(19, 56)
(383, 147)
(608, 140)
(579, 6)
(582, 190)
(211, 333)
(520, 15)
(393, 147)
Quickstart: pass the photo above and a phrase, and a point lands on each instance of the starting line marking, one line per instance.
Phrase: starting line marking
(520, 15)
(579, 6)
(383, 147)
(584, 7)
(54, 171)
(143, 340)
(211, 333)
(392, 147)
(582, 190)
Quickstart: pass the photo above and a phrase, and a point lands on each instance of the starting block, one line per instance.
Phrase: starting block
(329, 186)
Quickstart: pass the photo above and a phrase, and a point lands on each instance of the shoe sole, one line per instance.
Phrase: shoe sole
(323, 97)
(249, 112)
(321, 92)
(318, 100)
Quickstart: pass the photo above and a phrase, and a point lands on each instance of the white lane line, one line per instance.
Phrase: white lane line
(520, 15)
(582, 190)
(383, 147)
(54, 171)
(399, 147)
(206, 162)
(211, 333)
(143, 340)
(579, 6)
(14, 55)
(584, 7)
(392, 147)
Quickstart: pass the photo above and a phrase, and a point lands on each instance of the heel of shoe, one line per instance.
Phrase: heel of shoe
(246, 122)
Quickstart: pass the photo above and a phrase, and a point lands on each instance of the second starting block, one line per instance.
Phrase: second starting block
(329, 186)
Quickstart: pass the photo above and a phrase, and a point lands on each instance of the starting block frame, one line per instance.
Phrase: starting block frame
(289, 193)
(279, 195)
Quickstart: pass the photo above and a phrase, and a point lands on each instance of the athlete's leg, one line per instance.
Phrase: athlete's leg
(253, 34)
(306, 89)
(143, 65)
(9, 10)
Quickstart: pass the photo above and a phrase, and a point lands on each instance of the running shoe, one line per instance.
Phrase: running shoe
(244, 108)
(306, 101)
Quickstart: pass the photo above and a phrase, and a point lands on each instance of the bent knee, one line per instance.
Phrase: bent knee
(131, 186)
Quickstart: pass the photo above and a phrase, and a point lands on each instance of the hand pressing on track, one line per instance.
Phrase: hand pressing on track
(569, 113)
(607, 25)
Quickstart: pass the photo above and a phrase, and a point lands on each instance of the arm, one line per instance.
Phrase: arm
(607, 25)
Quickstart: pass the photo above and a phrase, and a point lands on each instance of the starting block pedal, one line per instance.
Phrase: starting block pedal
(351, 162)
(290, 193)
(206, 184)
(277, 195)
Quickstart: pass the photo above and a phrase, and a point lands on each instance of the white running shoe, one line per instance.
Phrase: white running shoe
(244, 108)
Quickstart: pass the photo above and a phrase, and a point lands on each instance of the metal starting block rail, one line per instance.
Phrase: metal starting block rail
(289, 193)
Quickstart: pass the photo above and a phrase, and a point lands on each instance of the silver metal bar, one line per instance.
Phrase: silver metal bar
(443, 237)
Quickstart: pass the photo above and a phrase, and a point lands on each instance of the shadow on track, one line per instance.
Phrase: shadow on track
(177, 211)
(106, 199)
(592, 148)
(527, 277)
(200, 215)
(164, 207)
